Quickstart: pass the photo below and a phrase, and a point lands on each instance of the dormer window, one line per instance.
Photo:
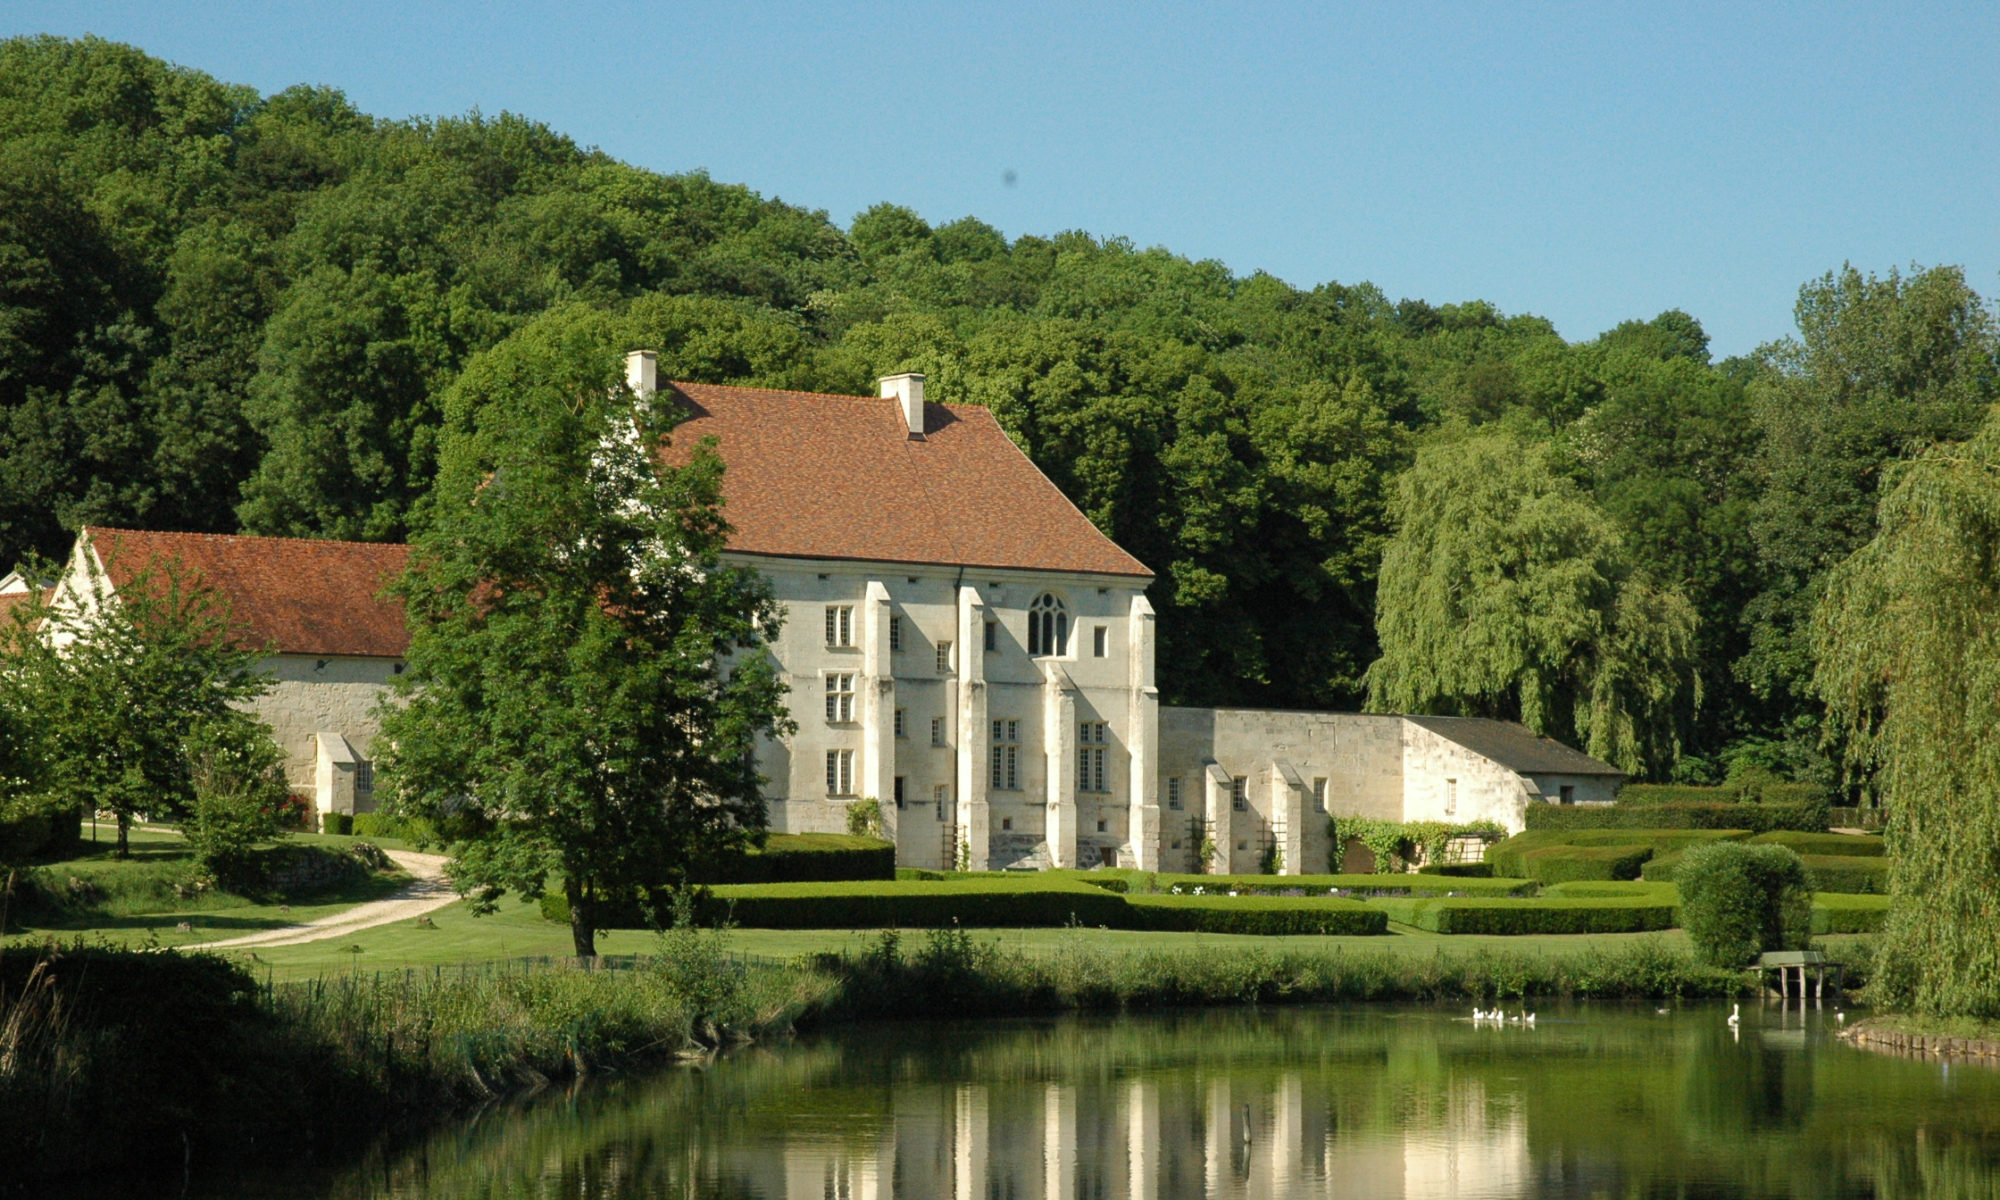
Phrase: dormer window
(1048, 626)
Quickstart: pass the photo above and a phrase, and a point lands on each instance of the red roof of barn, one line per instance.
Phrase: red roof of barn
(810, 475)
(294, 595)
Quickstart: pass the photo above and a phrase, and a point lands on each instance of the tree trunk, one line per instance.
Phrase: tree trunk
(124, 842)
(582, 921)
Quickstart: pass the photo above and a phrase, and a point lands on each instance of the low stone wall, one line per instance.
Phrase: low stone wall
(1917, 1045)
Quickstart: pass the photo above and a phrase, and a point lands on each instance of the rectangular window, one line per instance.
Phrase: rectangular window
(940, 797)
(1239, 793)
(1174, 793)
(895, 633)
(1319, 795)
(944, 658)
(1102, 825)
(992, 636)
(899, 724)
(1006, 822)
(840, 698)
(1100, 641)
(1091, 737)
(899, 792)
(937, 731)
(1450, 797)
(1006, 762)
(1567, 793)
(840, 773)
(840, 624)
(364, 776)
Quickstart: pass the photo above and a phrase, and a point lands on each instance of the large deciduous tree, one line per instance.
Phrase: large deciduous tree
(1506, 592)
(131, 698)
(1907, 638)
(587, 676)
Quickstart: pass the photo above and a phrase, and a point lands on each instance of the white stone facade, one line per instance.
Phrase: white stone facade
(322, 711)
(992, 762)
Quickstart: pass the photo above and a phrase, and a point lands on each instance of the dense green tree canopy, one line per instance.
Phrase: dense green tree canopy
(587, 678)
(221, 310)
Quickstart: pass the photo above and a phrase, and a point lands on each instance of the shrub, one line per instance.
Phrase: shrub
(23, 838)
(1478, 870)
(1475, 915)
(408, 829)
(340, 823)
(1398, 843)
(1844, 873)
(1849, 914)
(1680, 814)
(1843, 844)
(1738, 900)
(1623, 889)
(1421, 884)
(806, 857)
(1266, 915)
(1507, 858)
(1028, 901)
(1559, 864)
(864, 818)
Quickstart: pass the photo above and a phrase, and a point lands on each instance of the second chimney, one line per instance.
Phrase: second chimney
(642, 373)
(908, 391)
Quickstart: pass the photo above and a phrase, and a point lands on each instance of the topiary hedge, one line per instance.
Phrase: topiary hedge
(1262, 915)
(920, 905)
(1849, 914)
(1560, 864)
(1406, 884)
(1844, 873)
(1739, 899)
(1478, 870)
(1808, 817)
(1507, 858)
(1470, 915)
(805, 857)
(1847, 845)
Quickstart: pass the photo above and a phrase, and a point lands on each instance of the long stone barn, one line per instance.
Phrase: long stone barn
(961, 644)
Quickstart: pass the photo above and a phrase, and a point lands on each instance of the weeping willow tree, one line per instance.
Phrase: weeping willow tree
(1506, 592)
(1907, 638)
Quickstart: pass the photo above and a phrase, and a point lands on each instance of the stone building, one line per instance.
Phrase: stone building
(332, 643)
(961, 643)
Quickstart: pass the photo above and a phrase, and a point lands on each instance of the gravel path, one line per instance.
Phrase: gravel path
(427, 890)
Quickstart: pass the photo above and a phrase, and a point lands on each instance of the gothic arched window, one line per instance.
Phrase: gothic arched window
(1048, 626)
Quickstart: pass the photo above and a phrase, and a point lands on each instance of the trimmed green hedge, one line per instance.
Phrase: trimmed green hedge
(1619, 889)
(1848, 914)
(1808, 817)
(382, 825)
(1844, 844)
(1025, 902)
(806, 857)
(1263, 915)
(1844, 873)
(1561, 864)
(1507, 858)
(1424, 884)
(1638, 914)
(1477, 870)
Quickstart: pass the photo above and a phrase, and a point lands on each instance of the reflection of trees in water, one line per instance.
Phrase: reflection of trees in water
(1239, 1103)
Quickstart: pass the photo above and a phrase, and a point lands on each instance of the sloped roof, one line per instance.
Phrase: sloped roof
(1515, 746)
(293, 595)
(810, 475)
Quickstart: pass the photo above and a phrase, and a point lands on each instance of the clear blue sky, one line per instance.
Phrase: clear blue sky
(1589, 163)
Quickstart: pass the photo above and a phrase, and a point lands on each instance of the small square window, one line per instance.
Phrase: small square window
(1102, 825)
(1177, 843)
(1006, 822)
(1100, 641)
(1243, 845)
(895, 633)
(1567, 794)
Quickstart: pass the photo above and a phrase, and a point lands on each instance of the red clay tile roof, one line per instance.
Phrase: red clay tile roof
(295, 595)
(9, 601)
(817, 476)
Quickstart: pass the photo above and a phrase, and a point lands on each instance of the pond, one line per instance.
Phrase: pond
(1358, 1101)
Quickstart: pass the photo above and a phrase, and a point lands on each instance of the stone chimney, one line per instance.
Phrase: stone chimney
(908, 391)
(642, 373)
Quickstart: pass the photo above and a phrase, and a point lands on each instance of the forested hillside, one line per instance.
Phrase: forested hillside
(224, 311)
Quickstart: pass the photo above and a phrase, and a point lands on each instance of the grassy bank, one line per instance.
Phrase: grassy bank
(110, 1058)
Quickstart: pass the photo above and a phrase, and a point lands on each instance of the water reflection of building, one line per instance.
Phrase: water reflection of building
(1147, 1138)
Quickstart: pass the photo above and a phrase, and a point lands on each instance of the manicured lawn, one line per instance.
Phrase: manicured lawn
(518, 931)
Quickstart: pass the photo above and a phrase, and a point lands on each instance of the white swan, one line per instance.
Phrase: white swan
(1735, 1015)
